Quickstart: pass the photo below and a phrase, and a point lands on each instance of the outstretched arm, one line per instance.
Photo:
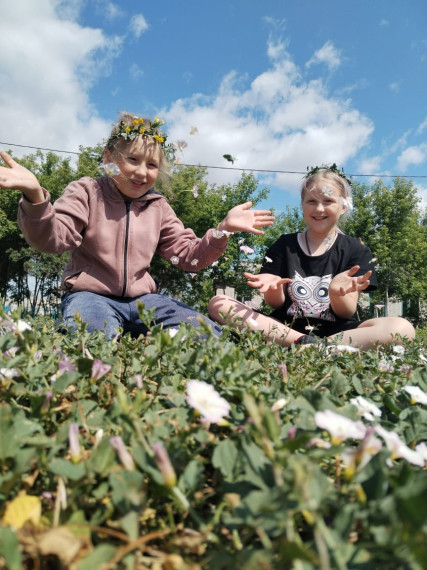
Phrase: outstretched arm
(270, 285)
(20, 178)
(344, 291)
(242, 219)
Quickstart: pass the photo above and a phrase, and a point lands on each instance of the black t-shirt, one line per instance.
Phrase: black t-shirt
(307, 297)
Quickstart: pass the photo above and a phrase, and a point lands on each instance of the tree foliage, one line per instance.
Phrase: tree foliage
(387, 218)
(390, 221)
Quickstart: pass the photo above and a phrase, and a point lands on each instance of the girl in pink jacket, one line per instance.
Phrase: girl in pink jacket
(113, 225)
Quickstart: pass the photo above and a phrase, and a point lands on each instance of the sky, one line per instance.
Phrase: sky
(278, 84)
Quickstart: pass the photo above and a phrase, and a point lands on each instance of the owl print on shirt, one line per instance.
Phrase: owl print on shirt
(310, 297)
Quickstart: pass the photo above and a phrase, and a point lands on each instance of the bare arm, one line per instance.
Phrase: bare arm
(344, 291)
(20, 178)
(271, 286)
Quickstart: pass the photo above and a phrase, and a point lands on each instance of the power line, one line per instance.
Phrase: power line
(235, 167)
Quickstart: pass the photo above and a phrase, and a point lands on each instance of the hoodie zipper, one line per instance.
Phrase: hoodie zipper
(125, 256)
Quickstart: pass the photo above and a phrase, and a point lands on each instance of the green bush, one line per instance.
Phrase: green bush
(269, 486)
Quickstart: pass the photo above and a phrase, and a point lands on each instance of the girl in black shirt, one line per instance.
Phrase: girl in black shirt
(313, 279)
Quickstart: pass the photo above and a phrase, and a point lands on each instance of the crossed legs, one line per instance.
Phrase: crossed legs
(226, 310)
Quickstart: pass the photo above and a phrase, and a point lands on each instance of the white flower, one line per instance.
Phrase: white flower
(366, 408)
(22, 326)
(172, 332)
(174, 260)
(338, 348)
(268, 259)
(111, 169)
(194, 261)
(9, 373)
(384, 366)
(206, 400)
(356, 459)
(398, 349)
(251, 323)
(326, 191)
(423, 358)
(215, 263)
(339, 427)
(417, 395)
(195, 191)
(398, 449)
(279, 404)
(421, 449)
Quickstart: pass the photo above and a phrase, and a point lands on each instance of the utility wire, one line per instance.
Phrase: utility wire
(235, 167)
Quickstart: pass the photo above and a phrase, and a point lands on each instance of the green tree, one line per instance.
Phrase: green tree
(27, 277)
(389, 220)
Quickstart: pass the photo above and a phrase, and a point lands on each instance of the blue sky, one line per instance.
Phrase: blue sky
(279, 84)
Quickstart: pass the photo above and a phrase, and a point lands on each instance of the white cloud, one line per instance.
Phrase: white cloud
(277, 121)
(422, 193)
(111, 10)
(422, 127)
(50, 66)
(370, 165)
(135, 71)
(138, 25)
(327, 54)
(412, 155)
(395, 87)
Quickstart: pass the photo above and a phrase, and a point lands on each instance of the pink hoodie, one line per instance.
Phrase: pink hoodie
(112, 239)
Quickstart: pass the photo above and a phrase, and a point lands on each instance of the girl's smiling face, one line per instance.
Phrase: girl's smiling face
(139, 163)
(322, 206)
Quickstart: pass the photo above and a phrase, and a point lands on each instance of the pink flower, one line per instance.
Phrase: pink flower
(125, 457)
(73, 443)
(284, 371)
(165, 465)
(99, 369)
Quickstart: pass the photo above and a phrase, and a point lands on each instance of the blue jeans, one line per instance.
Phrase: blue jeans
(102, 312)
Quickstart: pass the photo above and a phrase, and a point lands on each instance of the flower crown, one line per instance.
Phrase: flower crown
(312, 170)
(143, 127)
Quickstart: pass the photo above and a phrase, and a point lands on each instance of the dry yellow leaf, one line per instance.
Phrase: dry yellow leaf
(22, 509)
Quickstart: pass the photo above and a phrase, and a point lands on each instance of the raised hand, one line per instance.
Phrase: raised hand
(266, 281)
(345, 282)
(20, 178)
(242, 219)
